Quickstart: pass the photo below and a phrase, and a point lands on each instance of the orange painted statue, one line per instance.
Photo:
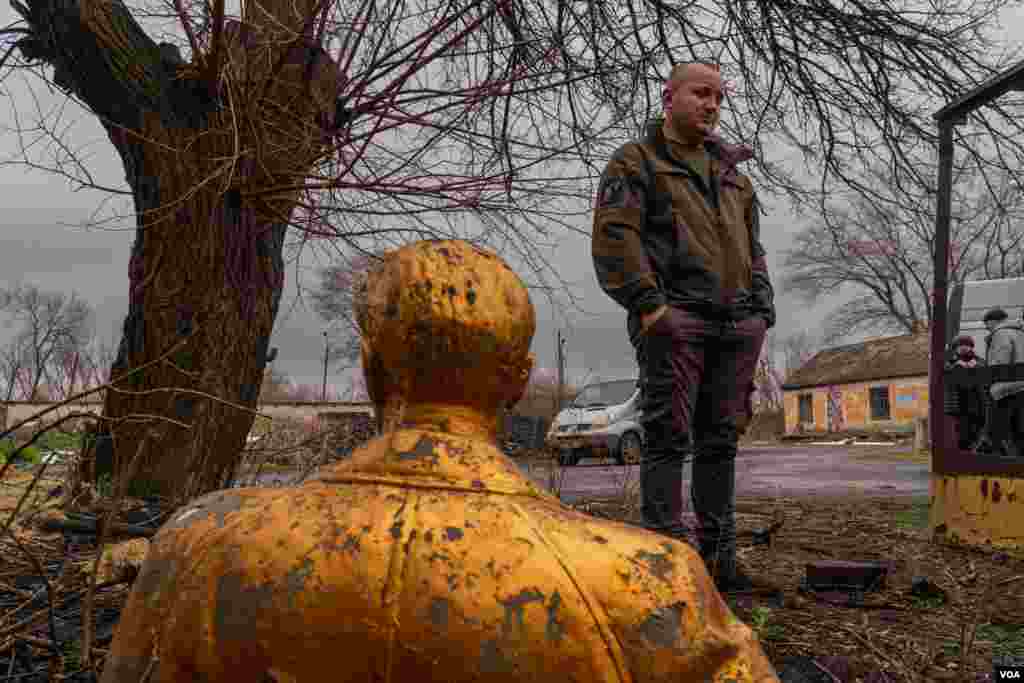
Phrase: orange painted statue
(426, 556)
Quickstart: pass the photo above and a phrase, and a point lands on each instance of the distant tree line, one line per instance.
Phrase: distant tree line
(51, 350)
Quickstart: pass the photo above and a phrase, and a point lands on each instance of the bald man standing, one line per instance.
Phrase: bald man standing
(676, 243)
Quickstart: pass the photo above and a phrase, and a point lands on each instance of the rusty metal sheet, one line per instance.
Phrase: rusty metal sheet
(845, 574)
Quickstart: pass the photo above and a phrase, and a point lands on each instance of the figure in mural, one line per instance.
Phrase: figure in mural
(428, 555)
(836, 418)
(676, 242)
(1005, 344)
(967, 404)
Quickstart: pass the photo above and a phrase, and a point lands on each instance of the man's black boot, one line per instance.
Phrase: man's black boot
(713, 492)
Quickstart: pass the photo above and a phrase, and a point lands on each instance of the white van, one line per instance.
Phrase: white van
(604, 419)
(969, 301)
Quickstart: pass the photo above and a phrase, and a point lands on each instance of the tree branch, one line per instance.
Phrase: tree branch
(101, 55)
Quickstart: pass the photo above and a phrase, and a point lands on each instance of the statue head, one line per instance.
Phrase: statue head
(444, 323)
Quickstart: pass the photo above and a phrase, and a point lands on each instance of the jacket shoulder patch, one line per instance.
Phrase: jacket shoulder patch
(616, 193)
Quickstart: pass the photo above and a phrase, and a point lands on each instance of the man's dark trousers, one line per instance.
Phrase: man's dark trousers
(1007, 423)
(694, 375)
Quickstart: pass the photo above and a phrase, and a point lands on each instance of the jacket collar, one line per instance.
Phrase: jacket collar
(728, 155)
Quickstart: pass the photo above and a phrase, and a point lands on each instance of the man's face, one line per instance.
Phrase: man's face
(693, 102)
(991, 325)
(963, 349)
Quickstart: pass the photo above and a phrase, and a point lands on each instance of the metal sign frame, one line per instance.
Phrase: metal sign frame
(946, 457)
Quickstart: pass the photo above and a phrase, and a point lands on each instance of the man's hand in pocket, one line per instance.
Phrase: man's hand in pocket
(648, 319)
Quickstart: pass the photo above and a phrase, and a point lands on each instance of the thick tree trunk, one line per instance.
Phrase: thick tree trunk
(206, 279)
(183, 296)
(214, 184)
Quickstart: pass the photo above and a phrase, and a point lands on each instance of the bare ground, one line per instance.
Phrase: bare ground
(975, 615)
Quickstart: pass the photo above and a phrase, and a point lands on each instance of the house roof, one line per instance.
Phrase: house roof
(877, 359)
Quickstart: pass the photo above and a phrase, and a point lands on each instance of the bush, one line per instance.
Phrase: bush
(766, 425)
(60, 441)
(29, 455)
(261, 426)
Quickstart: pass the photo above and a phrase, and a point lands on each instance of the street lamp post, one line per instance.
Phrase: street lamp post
(323, 393)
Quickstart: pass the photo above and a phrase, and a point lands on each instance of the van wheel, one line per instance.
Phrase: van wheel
(630, 449)
(568, 458)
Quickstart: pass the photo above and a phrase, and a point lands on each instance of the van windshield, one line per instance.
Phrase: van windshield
(605, 394)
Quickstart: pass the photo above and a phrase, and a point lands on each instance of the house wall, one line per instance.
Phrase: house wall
(908, 400)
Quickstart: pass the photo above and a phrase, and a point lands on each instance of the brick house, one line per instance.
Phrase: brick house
(877, 385)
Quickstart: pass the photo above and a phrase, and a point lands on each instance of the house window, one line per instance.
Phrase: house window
(880, 403)
(806, 408)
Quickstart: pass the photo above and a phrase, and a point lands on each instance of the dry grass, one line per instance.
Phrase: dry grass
(287, 452)
(912, 638)
(51, 608)
(899, 636)
(44, 582)
(892, 631)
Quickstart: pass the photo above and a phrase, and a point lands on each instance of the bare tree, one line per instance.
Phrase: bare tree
(96, 363)
(881, 249)
(14, 368)
(63, 375)
(540, 397)
(358, 121)
(797, 349)
(356, 389)
(74, 370)
(311, 392)
(276, 386)
(333, 301)
(51, 328)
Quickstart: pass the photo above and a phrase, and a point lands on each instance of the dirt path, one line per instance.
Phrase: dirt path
(798, 470)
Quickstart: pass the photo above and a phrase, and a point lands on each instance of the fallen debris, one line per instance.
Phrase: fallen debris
(85, 526)
(120, 563)
(846, 575)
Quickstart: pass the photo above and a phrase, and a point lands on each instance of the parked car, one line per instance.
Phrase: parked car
(603, 420)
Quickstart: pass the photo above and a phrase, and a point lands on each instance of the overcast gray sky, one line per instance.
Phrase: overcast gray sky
(42, 242)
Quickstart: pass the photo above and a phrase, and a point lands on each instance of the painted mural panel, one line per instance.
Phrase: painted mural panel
(820, 410)
(790, 408)
(791, 403)
(856, 400)
(834, 411)
(905, 407)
